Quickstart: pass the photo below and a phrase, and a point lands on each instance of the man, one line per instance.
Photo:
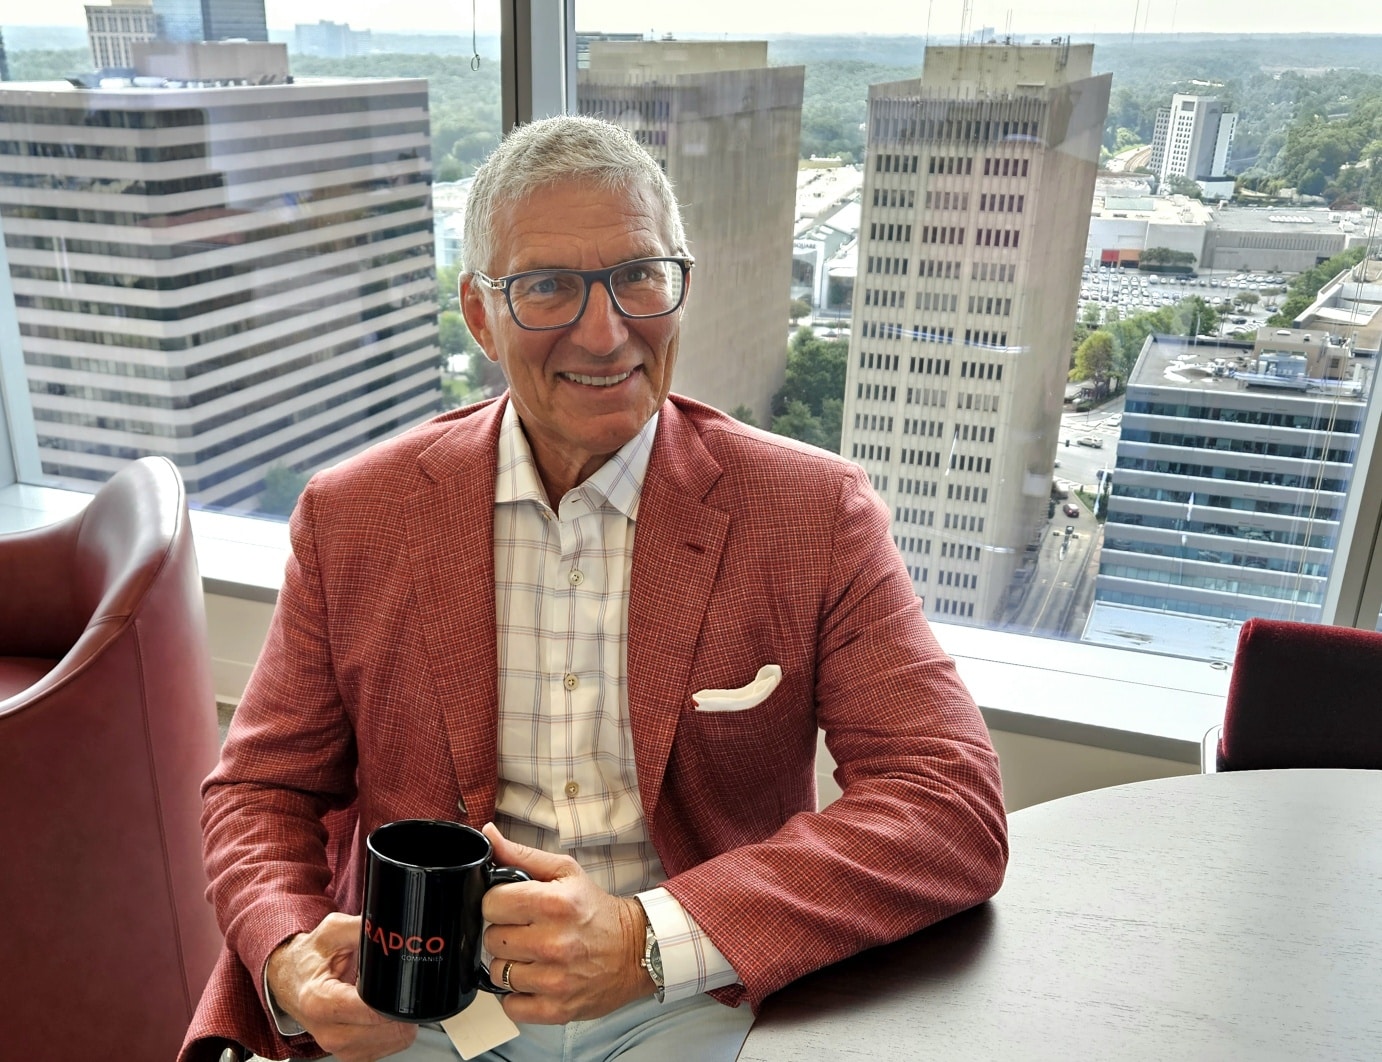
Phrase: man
(605, 624)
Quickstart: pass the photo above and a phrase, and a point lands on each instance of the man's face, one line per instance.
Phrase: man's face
(585, 390)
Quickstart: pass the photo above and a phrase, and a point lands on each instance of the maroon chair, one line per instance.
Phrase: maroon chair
(107, 728)
(1303, 695)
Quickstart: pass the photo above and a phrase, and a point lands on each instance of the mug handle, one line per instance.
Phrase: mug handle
(499, 876)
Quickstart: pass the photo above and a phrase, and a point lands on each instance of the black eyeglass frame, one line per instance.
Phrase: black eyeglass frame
(589, 277)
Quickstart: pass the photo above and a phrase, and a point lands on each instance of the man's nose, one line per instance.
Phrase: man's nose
(601, 329)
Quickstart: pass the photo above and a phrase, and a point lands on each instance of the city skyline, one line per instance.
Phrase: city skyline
(938, 18)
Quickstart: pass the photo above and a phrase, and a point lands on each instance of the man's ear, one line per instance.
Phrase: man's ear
(475, 308)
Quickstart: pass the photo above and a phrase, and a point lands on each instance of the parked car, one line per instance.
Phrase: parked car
(1070, 509)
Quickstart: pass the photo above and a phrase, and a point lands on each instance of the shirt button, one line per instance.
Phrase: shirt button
(570, 682)
(576, 577)
(572, 789)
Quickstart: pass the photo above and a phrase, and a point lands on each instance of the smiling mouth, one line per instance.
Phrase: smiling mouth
(595, 381)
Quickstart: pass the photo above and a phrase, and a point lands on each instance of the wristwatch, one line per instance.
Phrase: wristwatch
(652, 958)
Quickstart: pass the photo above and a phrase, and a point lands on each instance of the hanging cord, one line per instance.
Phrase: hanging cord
(474, 45)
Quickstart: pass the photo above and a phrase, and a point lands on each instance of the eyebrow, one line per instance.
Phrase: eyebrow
(636, 256)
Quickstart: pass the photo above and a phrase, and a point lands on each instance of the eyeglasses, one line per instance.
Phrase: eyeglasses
(542, 299)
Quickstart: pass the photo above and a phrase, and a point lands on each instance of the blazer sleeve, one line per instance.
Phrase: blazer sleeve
(288, 761)
(920, 831)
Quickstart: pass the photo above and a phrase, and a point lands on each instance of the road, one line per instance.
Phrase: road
(1076, 465)
(1056, 597)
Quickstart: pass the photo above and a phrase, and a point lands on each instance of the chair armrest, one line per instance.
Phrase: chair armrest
(1209, 750)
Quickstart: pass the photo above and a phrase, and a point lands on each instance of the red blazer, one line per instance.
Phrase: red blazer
(377, 688)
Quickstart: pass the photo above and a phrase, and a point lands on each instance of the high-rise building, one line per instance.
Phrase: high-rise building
(1232, 471)
(211, 20)
(234, 277)
(979, 175)
(1192, 138)
(726, 128)
(333, 40)
(112, 28)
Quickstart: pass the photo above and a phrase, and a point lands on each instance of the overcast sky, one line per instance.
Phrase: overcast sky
(740, 17)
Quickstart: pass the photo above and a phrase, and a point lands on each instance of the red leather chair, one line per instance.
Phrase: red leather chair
(107, 728)
(1301, 695)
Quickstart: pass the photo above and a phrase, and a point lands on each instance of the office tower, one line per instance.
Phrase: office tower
(235, 277)
(334, 40)
(1192, 138)
(112, 28)
(1232, 471)
(979, 175)
(211, 20)
(726, 127)
(4, 60)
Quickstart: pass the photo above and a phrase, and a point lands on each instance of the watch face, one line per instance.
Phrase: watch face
(652, 957)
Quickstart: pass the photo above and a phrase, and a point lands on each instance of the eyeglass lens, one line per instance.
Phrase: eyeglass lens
(551, 298)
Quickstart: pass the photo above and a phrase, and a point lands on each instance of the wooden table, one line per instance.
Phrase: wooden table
(1228, 916)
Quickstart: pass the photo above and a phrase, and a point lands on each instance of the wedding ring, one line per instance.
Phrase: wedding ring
(504, 981)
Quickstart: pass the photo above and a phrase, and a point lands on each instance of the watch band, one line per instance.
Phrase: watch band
(652, 957)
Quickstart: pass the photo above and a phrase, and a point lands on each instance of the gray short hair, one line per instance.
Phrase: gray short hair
(567, 148)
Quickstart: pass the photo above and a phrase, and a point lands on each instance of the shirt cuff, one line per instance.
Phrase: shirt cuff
(691, 964)
(285, 1023)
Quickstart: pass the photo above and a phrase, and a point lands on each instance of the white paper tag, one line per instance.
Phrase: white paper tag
(480, 1026)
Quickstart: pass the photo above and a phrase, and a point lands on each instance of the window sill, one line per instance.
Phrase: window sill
(1090, 695)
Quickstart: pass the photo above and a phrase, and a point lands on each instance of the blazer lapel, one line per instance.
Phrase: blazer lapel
(678, 540)
(450, 529)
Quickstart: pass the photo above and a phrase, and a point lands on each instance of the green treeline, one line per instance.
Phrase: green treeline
(1305, 286)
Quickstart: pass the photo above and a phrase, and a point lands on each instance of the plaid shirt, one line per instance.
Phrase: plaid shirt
(567, 778)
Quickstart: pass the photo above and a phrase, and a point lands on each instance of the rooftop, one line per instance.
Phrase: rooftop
(1126, 199)
(821, 191)
(1277, 362)
(1285, 219)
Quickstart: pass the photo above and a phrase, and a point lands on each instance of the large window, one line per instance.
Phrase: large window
(238, 255)
(1099, 314)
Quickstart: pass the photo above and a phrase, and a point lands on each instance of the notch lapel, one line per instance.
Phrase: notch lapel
(678, 542)
(450, 530)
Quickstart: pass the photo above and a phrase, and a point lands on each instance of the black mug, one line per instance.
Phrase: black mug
(421, 926)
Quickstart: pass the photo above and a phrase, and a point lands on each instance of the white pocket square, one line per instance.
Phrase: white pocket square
(755, 693)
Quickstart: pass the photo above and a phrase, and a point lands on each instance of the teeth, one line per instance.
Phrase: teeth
(598, 381)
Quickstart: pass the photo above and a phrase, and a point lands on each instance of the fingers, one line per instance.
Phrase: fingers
(577, 958)
(305, 977)
(544, 866)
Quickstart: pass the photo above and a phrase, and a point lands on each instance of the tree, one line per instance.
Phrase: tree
(1305, 286)
(1246, 298)
(453, 335)
(797, 421)
(744, 415)
(485, 377)
(1184, 186)
(1164, 257)
(815, 371)
(281, 489)
(1194, 316)
(799, 308)
(810, 406)
(1094, 361)
(448, 292)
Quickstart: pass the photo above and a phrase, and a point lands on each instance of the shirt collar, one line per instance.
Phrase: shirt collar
(618, 482)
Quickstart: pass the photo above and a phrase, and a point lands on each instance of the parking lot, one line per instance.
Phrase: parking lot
(1131, 292)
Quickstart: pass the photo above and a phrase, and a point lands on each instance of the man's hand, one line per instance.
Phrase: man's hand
(576, 950)
(311, 977)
